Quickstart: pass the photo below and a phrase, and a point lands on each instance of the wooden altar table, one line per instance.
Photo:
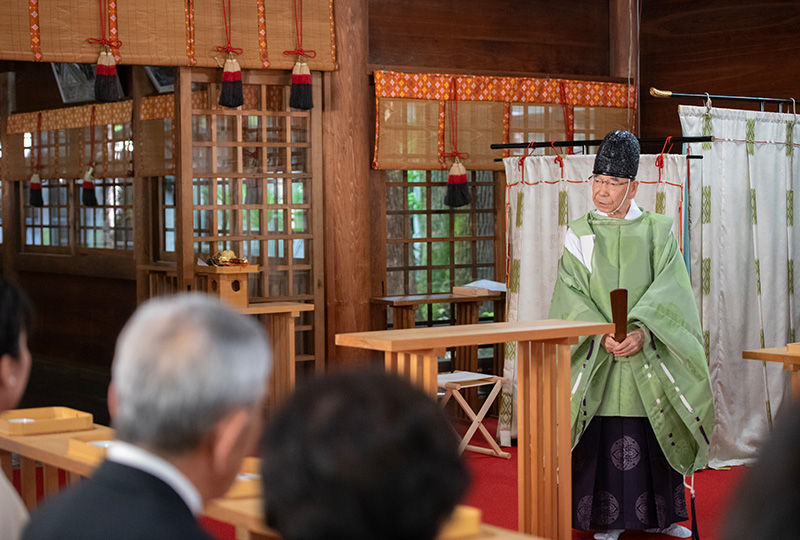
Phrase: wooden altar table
(467, 311)
(244, 514)
(51, 450)
(789, 356)
(543, 390)
(278, 320)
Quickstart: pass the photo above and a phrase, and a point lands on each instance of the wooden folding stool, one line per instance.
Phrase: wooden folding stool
(452, 383)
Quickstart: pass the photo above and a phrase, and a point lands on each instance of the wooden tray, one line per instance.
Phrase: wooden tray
(232, 269)
(89, 448)
(465, 521)
(248, 481)
(43, 420)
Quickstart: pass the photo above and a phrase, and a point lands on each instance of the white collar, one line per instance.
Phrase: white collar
(138, 458)
(633, 212)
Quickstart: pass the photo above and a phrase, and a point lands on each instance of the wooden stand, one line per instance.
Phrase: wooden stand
(278, 319)
(229, 282)
(461, 380)
(789, 356)
(543, 379)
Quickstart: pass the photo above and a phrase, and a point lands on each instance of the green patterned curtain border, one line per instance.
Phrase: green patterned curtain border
(706, 205)
(750, 137)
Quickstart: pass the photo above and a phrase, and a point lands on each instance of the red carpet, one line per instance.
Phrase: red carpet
(494, 491)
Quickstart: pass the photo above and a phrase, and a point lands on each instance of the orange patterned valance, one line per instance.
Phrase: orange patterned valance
(435, 86)
(171, 33)
(415, 115)
(71, 117)
(153, 108)
(157, 107)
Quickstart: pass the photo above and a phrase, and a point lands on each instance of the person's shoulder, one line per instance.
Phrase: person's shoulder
(580, 226)
(109, 506)
(659, 221)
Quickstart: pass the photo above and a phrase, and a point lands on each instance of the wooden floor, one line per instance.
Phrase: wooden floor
(83, 388)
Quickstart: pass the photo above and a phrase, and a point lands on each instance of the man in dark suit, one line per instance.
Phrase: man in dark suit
(186, 399)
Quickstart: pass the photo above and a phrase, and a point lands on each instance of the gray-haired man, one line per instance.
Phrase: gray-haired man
(186, 399)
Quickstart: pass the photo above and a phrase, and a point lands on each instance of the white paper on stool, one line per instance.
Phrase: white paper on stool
(461, 376)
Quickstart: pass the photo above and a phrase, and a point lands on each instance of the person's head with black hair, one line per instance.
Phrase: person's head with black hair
(766, 503)
(16, 316)
(614, 173)
(360, 455)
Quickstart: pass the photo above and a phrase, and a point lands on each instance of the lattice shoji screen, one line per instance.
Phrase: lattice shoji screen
(253, 190)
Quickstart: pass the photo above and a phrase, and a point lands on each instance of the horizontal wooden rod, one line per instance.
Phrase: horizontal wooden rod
(655, 92)
(596, 142)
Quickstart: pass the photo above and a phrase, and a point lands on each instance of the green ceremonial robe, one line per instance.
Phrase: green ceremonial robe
(668, 380)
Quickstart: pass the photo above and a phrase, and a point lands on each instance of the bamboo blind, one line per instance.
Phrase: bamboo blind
(172, 33)
(416, 113)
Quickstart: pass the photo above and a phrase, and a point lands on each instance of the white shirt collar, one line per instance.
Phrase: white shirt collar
(138, 458)
(633, 212)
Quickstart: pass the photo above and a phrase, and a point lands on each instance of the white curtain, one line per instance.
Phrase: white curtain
(540, 202)
(743, 248)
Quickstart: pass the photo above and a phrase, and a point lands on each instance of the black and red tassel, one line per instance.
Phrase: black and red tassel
(88, 196)
(107, 88)
(457, 189)
(35, 191)
(35, 186)
(231, 94)
(300, 93)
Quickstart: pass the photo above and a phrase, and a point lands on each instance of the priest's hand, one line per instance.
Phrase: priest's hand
(631, 345)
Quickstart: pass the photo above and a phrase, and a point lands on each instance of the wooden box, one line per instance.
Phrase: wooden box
(793, 348)
(43, 420)
(248, 481)
(465, 521)
(229, 282)
(89, 448)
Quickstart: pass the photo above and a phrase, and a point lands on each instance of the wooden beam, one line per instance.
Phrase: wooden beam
(184, 245)
(623, 38)
(346, 128)
(143, 205)
(8, 246)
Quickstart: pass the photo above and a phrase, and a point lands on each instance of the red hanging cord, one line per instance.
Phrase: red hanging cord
(298, 29)
(226, 19)
(91, 139)
(454, 122)
(521, 162)
(103, 40)
(521, 167)
(36, 162)
(660, 157)
(569, 116)
(558, 159)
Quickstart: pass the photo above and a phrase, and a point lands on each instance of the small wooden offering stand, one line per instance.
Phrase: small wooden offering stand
(789, 356)
(230, 284)
(543, 390)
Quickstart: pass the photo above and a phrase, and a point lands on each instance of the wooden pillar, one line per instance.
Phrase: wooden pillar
(8, 202)
(623, 38)
(348, 109)
(143, 206)
(184, 173)
(623, 45)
